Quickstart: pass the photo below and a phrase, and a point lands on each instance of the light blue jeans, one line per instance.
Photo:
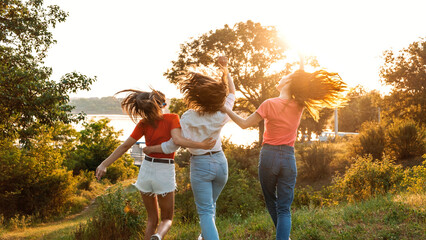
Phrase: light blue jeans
(277, 175)
(209, 174)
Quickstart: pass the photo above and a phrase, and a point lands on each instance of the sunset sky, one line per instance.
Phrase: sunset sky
(131, 43)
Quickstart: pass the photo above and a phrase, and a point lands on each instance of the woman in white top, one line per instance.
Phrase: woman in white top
(209, 168)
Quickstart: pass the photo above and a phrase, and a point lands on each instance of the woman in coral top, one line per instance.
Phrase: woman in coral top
(277, 163)
(156, 179)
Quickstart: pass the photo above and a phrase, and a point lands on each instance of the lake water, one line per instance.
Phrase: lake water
(230, 130)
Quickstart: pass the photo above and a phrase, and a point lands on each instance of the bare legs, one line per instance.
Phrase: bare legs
(166, 205)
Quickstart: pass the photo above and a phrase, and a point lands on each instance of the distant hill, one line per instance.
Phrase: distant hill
(104, 105)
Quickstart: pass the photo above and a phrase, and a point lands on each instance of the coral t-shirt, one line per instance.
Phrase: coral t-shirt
(155, 136)
(282, 118)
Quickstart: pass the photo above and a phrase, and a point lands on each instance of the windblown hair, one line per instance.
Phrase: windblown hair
(317, 90)
(202, 93)
(145, 105)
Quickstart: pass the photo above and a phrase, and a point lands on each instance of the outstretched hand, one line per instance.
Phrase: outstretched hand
(100, 171)
(208, 143)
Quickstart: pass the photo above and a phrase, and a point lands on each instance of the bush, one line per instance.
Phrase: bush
(315, 160)
(415, 178)
(370, 141)
(118, 216)
(242, 157)
(123, 168)
(241, 196)
(185, 209)
(406, 139)
(33, 181)
(366, 178)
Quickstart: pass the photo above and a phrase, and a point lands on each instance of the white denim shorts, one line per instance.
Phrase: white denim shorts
(156, 178)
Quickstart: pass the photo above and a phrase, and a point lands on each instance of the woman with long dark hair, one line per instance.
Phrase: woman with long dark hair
(277, 163)
(205, 96)
(156, 179)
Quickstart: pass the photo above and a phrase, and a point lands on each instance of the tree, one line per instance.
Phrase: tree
(308, 125)
(361, 107)
(406, 73)
(177, 106)
(28, 98)
(251, 48)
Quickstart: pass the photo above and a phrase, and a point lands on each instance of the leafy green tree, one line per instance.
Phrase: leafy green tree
(177, 106)
(361, 107)
(252, 50)
(405, 71)
(28, 98)
(308, 125)
(95, 143)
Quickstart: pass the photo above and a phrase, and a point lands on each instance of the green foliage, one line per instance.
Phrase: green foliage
(123, 168)
(242, 157)
(185, 209)
(362, 107)
(406, 139)
(367, 178)
(177, 106)
(118, 216)
(96, 142)
(308, 125)
(405, 71)
(104, 105)
(415, 178)
(370, 141)
(241, 196)
(33, 181)
(314, 160)
(28, 98)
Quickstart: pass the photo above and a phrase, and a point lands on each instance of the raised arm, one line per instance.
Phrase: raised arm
(251, 121)
(101, 169)
(223, 65)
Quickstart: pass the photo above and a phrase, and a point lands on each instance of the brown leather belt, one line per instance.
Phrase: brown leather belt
(159, 160)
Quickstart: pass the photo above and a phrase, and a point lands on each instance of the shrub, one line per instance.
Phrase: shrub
(123, 168)
(33, 181)
(406, 139)
(366, 178)
(185, 209)
(118, 216)
(370, 141)
(241, 196)
(314, 160)
(242, 157)
(415, 178)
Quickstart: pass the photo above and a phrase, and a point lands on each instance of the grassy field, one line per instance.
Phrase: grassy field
(388, 217)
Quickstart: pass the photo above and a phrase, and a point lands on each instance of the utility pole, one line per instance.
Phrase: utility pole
(336, 123)
(378, 113)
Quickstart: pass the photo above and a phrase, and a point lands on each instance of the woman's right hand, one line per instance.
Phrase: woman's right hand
(208, 143)
(100, 171)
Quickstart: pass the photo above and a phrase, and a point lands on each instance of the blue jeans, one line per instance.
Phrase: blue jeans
(209, 174)
(277, 175)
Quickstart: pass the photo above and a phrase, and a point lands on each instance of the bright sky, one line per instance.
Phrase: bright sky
(131, 43)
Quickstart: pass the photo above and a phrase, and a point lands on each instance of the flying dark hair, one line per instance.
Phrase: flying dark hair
(145, 105)
(316, 90)
(202, 93)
